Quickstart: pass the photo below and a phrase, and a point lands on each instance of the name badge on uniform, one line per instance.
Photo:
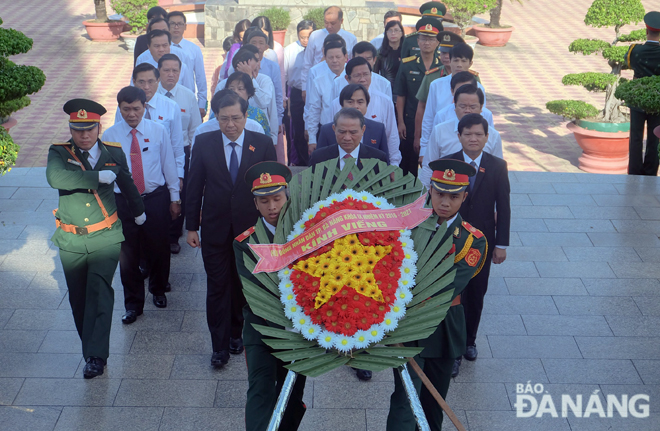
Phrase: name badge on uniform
(111, 164)
(414, 72)
(414, 48)
(73, 162)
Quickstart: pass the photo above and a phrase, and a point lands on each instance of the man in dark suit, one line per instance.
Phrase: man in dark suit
(349, 127)
(488, 209)
(356, 96)
(217, 171)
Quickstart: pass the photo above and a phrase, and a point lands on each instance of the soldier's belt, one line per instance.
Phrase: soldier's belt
(106, 223)
(456, 301)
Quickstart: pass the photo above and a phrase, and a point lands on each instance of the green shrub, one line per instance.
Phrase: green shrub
(135, 12)
(464, 10)
(643, 93)
(572, 109)
(603, 13)
(8, 151)
(279, 18)
(6, 108)
(316, 15)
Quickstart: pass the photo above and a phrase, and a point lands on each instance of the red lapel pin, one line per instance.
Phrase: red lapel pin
(146, 140)
(481, 169)
(251, 148)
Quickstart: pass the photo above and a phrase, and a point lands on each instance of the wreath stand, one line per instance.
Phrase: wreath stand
(415, 404)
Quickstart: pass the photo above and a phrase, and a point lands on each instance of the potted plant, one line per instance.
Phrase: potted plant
(493, 33)
(463, 10)
(316, 16)
(16, 82)
(603, 137)
(135, 13)
(103, 29)
(279, 20)
(643, 93)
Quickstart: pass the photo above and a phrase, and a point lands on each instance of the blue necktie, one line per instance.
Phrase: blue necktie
(474, 177)
(233, 162)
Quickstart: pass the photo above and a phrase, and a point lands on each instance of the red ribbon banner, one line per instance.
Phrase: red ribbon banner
(273, 257)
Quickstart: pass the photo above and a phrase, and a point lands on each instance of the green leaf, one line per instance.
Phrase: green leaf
(404, 352)
(320, 370)
(409, 335)
(310, 363)
(375, 362)
(262, 277)
(592, 81)
(634, 36)
(611, 13)
(288, 344)
(268, 313)
(643, 93)
(295, 355)
(439, 255)
(269, 331)
(588, 46)
(572, 109)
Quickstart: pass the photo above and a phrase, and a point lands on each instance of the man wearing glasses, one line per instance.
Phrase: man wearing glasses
(193, 56)
(407, 83)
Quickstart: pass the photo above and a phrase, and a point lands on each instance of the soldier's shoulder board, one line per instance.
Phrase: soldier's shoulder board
(112, 144)
(473, 230)
(407, 59)
(60, 144)
(245, 235)
(473, 72)
(430, 71)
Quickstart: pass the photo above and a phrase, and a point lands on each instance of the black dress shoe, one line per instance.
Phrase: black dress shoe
(130, 317)
(471, 353)
(235, 346)
(455, 368)
(220, 359)
(175, 248)
(364, 375)
(168, 287)
(160, 301)
(93, 367)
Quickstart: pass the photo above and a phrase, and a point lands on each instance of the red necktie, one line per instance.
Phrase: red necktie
(136, 163)
(350, 176)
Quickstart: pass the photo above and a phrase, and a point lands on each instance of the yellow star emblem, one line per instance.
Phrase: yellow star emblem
(350, 264)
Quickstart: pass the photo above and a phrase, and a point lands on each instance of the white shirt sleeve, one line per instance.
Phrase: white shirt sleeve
(262, 92)
(200, 77)
(496, 138)
(169, 165)
(392, 134)
(312, 113)
(427, 123)
(432, 153)
(195, 121)
(177, 143)
(310, 56)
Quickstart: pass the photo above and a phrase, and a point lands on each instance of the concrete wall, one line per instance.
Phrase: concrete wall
(363, 19)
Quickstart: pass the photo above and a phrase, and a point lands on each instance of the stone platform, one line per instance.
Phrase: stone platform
(576, 308)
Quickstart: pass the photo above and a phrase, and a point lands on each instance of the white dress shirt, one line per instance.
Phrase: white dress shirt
(158, 164)
(318, 104)
(378, 83)
(212, 125)
(314, 50)
(439, 97)
(264, 99)
(444, 141)
(293, 61)
(381, 109)
(94, 154)
(190, 116)
(228, 148)
(185, 77)
(355, 153)
(269, 226)
(378, 41)
(272, 70)
(165, 111)
(195, 61)
(317, 70)
(449, 113)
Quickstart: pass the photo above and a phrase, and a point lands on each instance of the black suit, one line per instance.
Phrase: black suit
(332, 152)
(374, 136)
(491, 188)
(228, 211)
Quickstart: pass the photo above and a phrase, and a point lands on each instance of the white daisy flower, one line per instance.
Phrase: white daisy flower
(361, 339)
(397, 311)
(325, 339)
(344, 343)
(389, 324)
(288, 299)
(404, 295)
(408, 269)
(310, 331)
(291, 311)
(375, 334)
(411, 255)
(299, 320)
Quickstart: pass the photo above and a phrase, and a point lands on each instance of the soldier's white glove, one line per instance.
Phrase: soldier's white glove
(139, 220)
(107, 177)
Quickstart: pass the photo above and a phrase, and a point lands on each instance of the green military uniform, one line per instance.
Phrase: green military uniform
(645, 61)
(266, 373)
(435, 10)
(89, 233)
(406, 84)
(448, 341)
(447, 41)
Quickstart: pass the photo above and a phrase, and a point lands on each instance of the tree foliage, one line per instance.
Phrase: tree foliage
(592, 81)
(464, 10)
(633, 36)
(643, 93)
(316, 16)
(135, 12)
(614, 13)
(279, 18)
(588, 46)
(8, 151)
(572, 109)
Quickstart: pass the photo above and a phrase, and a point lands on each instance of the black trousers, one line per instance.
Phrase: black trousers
(224, 294)
(647, 163)
(176, 226)
(408, 156)
(152, 239)
(299, 142)
(472, 298)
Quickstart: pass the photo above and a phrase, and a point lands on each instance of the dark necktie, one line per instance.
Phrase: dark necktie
(170, 95)
(233, 163)
(146, 112)
(85, 155)
(473, 178)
